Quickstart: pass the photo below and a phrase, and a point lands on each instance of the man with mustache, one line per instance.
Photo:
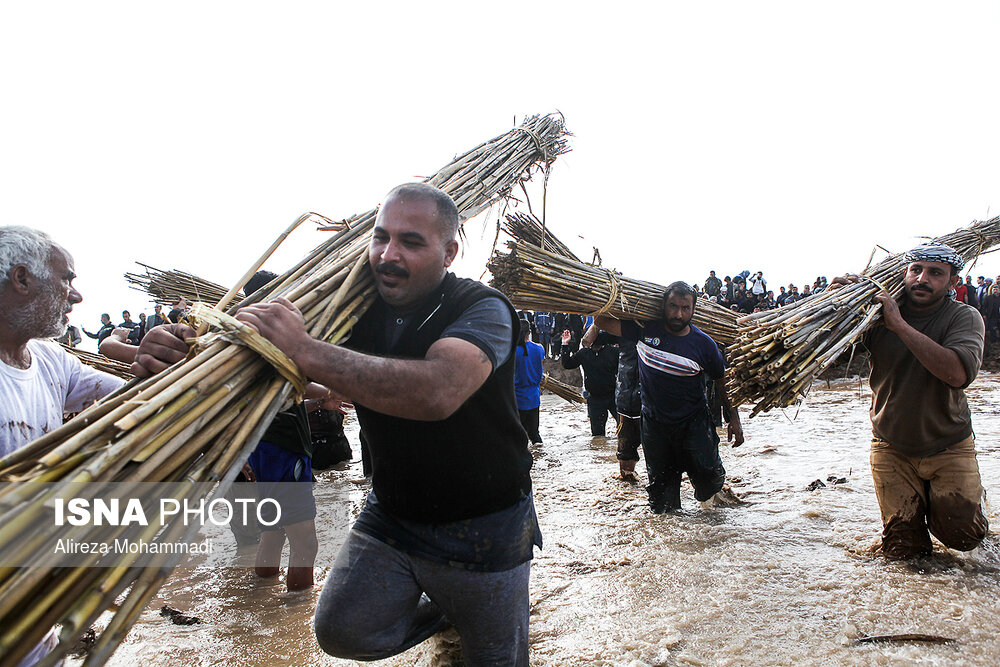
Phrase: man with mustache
(923, 454)
(39, 381)
(447, 533)
(677, 431)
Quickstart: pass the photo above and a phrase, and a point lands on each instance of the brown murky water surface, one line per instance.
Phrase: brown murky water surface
(787, 577)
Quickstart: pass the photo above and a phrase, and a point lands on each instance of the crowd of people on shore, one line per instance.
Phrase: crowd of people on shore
(748, 293)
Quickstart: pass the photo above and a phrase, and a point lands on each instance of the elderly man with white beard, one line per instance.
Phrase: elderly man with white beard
(39, 381)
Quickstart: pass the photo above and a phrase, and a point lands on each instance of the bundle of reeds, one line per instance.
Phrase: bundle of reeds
(528, 228)
(166, 287)
(536, 279)
(101, 363)
(198, 420)
(561, 389)
(780, 352)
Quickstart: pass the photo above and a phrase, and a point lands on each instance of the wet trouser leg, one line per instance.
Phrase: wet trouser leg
(672, 449)
(942, 493)
(598, 410)
(629, 437)
(373, 606)
(701, 454)
(662, 466)
(529, 421)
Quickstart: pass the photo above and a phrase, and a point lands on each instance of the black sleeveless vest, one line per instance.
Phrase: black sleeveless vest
(473, 463)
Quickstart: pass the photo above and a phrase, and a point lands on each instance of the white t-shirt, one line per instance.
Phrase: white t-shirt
(33, 400)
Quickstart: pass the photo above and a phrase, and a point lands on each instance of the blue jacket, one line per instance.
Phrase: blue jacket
(527, 375)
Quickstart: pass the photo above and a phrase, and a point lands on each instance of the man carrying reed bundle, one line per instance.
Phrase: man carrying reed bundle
(39, 380)
(923, 452)
(447, 533)
(677, 431)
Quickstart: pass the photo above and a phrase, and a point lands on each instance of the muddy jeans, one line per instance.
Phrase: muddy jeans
(942, 493)
(379, 601)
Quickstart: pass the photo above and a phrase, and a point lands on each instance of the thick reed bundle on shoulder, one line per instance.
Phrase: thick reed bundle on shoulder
(195, 423)
(536, 279)
(780, 352)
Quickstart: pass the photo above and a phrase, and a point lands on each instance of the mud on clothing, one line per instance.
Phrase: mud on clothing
(911, 408)
(34, 399)
(923, 453)
(450, 509)
(941, 493)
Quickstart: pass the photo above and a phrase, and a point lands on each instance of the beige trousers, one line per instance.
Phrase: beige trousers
(941, 493)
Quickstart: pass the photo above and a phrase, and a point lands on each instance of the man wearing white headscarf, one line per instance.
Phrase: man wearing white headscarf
(923, 452)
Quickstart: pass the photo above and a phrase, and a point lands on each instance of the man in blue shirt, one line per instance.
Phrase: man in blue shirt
(677, 431)
(527, 378)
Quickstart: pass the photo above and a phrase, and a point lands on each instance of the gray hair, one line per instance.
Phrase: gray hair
(447, 211)
(27, 246)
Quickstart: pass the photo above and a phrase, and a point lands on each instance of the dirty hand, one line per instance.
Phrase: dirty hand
(280, 322)
(162, 347)
(734, 433)
(890, 310)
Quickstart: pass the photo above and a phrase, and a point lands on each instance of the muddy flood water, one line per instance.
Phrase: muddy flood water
(785, 577)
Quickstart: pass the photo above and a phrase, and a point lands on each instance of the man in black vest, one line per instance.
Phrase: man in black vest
(447, 533)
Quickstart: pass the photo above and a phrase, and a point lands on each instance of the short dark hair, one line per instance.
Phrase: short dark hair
(679, 288)
(447, 212)
(258, 280)
(525, 328)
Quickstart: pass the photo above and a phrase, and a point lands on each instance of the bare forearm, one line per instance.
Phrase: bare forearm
(943, 363)
(720, 388)
(408, 388)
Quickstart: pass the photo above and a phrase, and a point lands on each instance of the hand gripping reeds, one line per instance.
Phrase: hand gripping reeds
(198, 420)
(780, 352)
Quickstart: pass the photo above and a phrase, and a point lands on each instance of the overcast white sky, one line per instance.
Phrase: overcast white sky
(788, 137)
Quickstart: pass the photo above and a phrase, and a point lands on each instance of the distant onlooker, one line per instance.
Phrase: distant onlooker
(527, 377)
(599, 358)
(991, 313)
(779, 301)
(971, 295)
(177, 310)
(757, 284)
(158, 317)
(713, 286)
(104, 331)
(543, 325)
(961, 292)
(139, 330)
(71, 337)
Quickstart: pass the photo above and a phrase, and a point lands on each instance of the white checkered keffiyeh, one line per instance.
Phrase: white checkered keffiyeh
(935, 252)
